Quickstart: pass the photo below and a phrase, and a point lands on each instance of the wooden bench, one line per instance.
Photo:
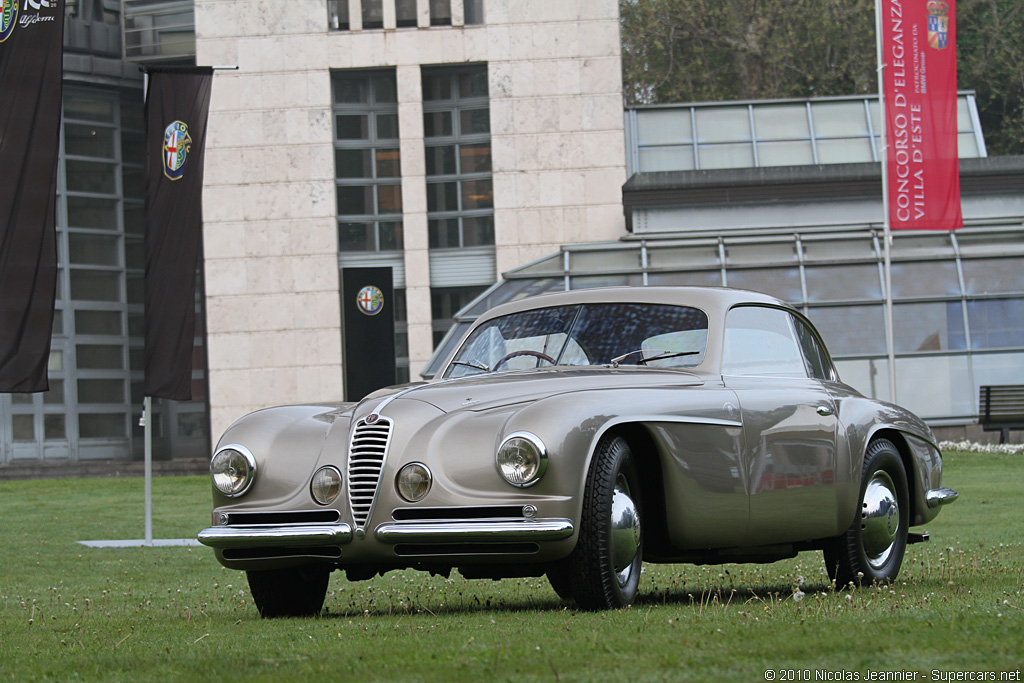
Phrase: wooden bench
(1001, 408)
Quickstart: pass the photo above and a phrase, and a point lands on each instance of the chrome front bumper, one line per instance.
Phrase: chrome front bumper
(465, 531)
(296, 536)
(474, 532)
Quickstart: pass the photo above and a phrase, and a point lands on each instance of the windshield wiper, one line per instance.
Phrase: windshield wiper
(662, 355)
(475, 364)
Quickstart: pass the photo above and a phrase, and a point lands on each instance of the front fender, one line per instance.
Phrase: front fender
(286, 443)
(572, 425)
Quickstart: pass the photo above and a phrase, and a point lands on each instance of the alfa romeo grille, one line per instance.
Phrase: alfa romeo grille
(366, 456)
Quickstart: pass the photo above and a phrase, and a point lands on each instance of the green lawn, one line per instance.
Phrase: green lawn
(67, 611)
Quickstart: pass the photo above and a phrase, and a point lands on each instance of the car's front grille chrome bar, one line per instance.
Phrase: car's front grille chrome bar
(366, 455)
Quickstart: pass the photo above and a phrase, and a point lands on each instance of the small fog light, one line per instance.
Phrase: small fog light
(233, 469)
(522, 459)
(413, 482)
(326, 485)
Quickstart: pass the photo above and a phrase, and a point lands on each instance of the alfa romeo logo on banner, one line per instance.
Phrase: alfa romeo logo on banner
(177, 145)
(370, 300)
(8, 18)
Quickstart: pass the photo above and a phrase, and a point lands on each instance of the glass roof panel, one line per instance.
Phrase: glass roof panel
(614, 260)
(726, 156)
(723, 124)
(781, 252)
(674, 158)
(683, 257)
(792, 153)
(839, 119)
(664, 126)
(781, 122)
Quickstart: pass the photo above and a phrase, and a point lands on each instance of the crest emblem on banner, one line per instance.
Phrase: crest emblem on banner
(8, 18)
(370, 300)
(938, 24)
(177, 144)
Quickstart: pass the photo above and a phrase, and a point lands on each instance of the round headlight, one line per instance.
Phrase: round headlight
(522, 459)
(326, 485)
(413, 482)
(233, 469)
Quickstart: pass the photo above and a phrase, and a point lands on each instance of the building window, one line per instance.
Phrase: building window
(456, 122)
(337, 15)
(405, 13)
(373, 14)
(368, 166)
(445, 302)
(401, 337)
(474, 10)
(440, 12)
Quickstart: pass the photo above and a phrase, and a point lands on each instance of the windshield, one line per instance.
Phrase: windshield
(656, 335)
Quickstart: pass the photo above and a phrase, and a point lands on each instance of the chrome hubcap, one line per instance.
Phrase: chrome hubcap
(879, 519)
(625, 531)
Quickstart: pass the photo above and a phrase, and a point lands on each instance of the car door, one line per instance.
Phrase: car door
(789, 427)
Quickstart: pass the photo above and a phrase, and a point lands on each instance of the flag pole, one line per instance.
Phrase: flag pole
(886, 228)
(147, 418)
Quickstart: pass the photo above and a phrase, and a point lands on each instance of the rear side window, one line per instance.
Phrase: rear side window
(817, 360)
(762, 341)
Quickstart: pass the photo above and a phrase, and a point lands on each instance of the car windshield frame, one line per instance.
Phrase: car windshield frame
(585, 335)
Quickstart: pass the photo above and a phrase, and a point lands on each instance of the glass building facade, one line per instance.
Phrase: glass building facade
(761, 134)
(958, 297)
(92, 410)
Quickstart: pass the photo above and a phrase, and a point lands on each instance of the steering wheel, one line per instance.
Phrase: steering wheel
(525, 352)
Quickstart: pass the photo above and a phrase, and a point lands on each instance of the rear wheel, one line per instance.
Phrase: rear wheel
(605, 565)
(290, 592)
(871, 550)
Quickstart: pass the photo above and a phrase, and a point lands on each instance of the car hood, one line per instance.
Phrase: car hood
(494, 390)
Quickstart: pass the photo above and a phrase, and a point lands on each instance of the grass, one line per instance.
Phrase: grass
(67, 611)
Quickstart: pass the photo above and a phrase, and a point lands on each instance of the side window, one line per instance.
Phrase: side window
(761, 341)
(817, 360)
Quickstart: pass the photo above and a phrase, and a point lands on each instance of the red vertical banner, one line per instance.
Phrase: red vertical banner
(919, 75)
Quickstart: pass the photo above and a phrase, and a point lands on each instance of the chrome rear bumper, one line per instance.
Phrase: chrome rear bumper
(943, 496)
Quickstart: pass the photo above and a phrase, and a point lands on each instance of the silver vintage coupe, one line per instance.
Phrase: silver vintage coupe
(578, 435)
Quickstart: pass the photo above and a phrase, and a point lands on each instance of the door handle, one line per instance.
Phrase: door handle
(824, 411)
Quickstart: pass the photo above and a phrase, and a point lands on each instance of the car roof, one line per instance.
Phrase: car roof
(714, 301)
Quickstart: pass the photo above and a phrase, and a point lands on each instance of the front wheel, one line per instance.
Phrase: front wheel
(871, 549)
(605, 565)
(290, 592)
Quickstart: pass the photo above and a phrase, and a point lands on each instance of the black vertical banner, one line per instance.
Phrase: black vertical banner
(31, 53)
(368, 341)
(177, 104)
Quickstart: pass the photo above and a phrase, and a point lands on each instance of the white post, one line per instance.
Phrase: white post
(887, 231)
(147, 416)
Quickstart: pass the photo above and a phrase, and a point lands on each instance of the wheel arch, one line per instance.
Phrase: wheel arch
(922, 462)
(899, 440)
(649, 463)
